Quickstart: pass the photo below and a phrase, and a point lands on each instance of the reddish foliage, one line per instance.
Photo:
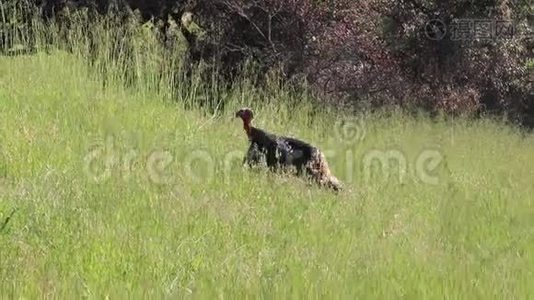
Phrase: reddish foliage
(370, 53)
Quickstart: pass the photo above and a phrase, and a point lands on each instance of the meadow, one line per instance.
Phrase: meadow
(116, 190)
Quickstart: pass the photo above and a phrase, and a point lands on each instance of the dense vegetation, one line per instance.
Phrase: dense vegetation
(116, 182)
(367, 54)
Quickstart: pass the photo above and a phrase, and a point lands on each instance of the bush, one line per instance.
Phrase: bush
(365, 54)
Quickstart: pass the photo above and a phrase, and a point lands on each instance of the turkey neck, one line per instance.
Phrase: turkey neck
(248, 128)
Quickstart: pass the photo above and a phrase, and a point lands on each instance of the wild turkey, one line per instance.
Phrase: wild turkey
(281, 151)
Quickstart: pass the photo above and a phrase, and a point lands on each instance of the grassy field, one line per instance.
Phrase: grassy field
(116, 191)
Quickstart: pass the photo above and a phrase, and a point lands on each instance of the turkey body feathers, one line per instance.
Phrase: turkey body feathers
(281, 151)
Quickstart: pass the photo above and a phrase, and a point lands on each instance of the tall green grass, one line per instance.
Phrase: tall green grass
(111, 185)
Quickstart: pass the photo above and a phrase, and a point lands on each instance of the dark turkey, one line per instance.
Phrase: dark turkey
(285, 152)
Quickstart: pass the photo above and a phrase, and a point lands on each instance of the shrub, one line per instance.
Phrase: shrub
(364, 54)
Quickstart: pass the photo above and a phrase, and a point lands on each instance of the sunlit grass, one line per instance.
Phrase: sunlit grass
(119, 190)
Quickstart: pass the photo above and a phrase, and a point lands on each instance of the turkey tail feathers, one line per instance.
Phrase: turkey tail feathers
(318, 169)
